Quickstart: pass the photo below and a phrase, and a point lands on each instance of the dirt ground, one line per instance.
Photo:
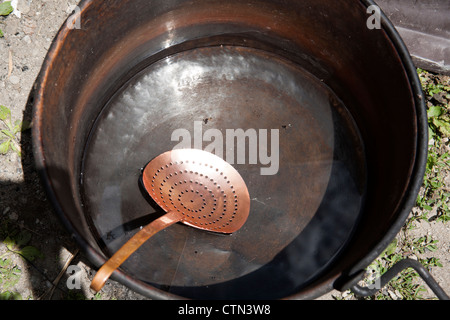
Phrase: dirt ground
(23, 203)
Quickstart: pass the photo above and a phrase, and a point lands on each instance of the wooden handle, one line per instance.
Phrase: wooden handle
(131, 246)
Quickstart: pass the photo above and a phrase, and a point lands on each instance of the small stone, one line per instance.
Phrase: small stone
(14, 79)
(447, 180)
(23, 7)
(393, 295)
(27, 39)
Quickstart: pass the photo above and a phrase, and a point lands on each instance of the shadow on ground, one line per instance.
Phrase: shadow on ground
(26, 209)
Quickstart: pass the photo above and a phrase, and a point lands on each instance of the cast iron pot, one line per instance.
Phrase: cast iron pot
(337, 91)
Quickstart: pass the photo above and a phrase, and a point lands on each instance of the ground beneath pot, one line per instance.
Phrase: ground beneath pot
(28, 225)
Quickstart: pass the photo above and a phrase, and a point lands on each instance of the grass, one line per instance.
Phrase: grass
(5, 9)
(9, 133)
(433, 202)
(16, 242)
(404, 286)
(435, 194)
(9, 276)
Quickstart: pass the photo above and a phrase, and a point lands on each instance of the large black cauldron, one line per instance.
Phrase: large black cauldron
(329, 107)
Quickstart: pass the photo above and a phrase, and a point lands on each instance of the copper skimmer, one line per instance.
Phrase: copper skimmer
(194, 187)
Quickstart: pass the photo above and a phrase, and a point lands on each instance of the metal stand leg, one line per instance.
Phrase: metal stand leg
(396, 269)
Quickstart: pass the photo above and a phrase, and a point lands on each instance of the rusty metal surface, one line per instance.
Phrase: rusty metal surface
(328, 41)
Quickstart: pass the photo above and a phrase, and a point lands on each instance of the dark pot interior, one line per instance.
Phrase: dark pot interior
(343, 98)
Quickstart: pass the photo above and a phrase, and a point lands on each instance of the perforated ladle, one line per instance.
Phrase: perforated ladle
(194, 187)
